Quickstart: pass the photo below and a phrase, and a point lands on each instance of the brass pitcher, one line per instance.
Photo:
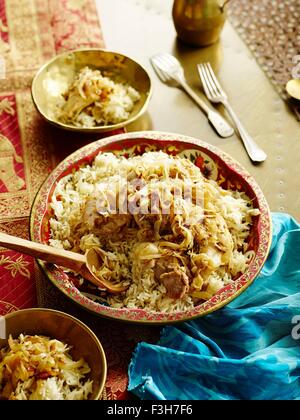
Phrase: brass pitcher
(199, 22)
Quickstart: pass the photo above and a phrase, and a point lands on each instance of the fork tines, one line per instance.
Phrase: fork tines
(210, 82)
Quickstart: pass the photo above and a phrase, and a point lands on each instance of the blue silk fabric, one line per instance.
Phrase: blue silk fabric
(249, 350)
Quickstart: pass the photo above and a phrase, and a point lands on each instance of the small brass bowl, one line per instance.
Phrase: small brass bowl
(63, 327)
(54, 78)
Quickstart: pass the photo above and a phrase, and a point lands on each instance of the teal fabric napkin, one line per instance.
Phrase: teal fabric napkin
(250, 349)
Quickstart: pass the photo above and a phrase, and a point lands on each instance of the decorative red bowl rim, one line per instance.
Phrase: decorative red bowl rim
(60, 279)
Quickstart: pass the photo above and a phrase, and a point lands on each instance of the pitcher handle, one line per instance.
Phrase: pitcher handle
(223, 5)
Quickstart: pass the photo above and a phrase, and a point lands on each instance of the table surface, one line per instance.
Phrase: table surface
(142, 28)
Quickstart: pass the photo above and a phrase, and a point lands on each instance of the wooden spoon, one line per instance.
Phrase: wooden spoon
(85, 265)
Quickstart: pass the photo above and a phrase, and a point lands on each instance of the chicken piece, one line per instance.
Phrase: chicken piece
(103, 225)
(168, 271)
(107, 225)
(84, 91)
(201, 235)
(73, 107)
(165, 226)
(145, 224)
(145, 221)
(152, 226)
(176, 282)
(165, 265)
(90, 213)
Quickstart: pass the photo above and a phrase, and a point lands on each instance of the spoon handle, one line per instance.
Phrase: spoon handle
(47, 253)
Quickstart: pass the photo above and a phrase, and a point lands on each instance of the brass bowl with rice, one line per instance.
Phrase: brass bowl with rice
(49, 355)
(91, 91)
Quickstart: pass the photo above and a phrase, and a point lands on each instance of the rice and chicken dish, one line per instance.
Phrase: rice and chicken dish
(40, 368)
(171, 236)
(93, 100)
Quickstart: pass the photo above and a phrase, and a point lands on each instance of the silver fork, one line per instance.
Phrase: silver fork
(216, 94)
(170, 71)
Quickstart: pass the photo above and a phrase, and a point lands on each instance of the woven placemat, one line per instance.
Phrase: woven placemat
(271, 29)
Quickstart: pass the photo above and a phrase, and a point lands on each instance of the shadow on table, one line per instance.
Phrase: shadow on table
(64, 142)
(189, 57)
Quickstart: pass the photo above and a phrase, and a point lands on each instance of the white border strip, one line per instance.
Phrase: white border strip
(2, 328)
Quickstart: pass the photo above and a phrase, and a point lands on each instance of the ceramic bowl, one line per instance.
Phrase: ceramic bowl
(213, 163)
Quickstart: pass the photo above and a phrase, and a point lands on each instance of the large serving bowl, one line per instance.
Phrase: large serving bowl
(53, 79)
(213, 163)
(63, 327)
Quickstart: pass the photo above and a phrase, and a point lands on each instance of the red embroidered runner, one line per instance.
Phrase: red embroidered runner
(32, 32)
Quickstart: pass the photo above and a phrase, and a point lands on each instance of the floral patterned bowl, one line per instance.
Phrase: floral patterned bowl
(214, 164)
